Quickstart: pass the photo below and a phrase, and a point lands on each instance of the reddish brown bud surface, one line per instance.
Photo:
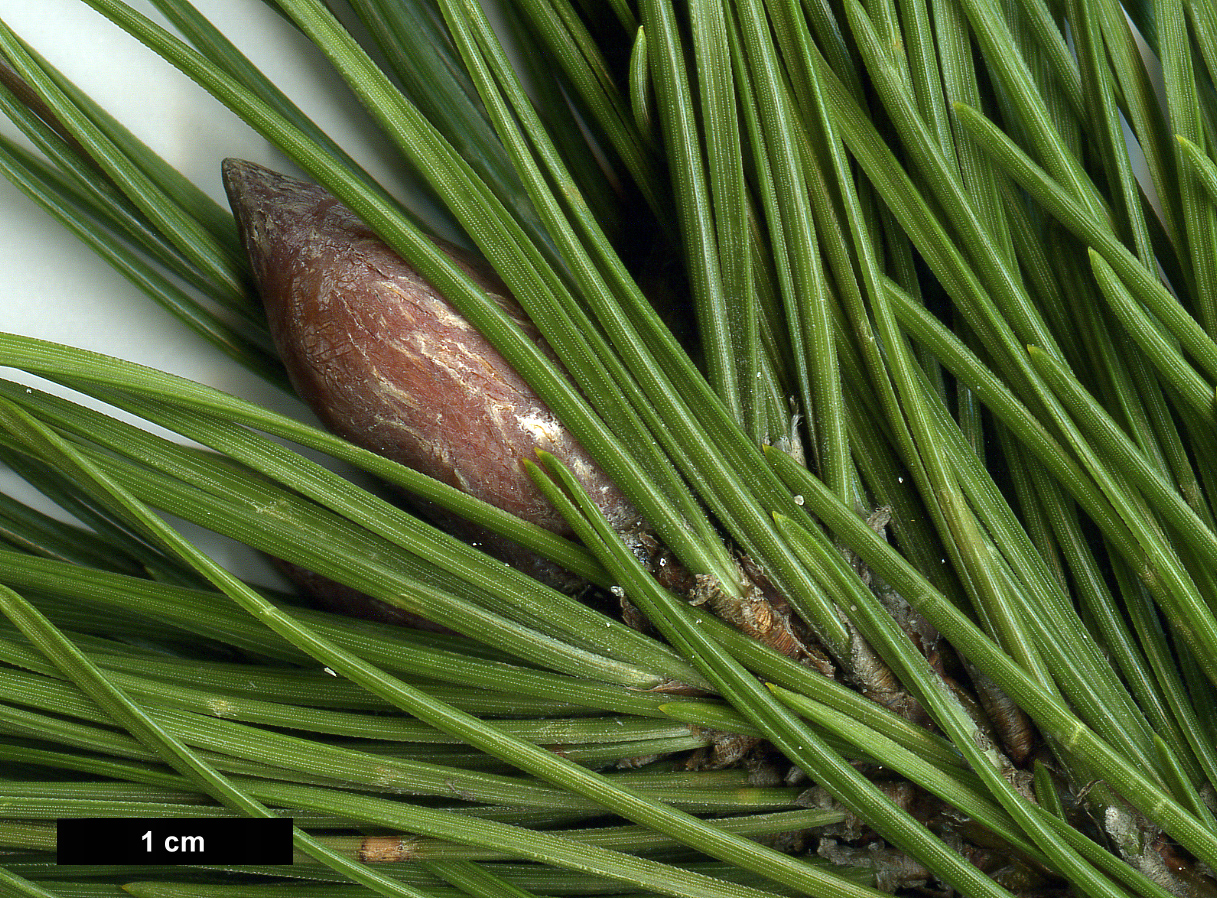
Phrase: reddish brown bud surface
(388, 363)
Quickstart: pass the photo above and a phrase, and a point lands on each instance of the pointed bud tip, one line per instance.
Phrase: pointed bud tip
(277, 216)
(253, 188)
(247, 187)
(237, 174)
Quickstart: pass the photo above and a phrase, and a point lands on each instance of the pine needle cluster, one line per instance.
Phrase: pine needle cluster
(894, 321)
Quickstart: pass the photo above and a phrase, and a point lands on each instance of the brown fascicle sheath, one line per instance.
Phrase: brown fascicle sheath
(388, 363)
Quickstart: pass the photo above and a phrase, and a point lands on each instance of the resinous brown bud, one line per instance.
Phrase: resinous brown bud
(388, 363)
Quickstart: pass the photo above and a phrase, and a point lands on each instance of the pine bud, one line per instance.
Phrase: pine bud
(389, 364)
